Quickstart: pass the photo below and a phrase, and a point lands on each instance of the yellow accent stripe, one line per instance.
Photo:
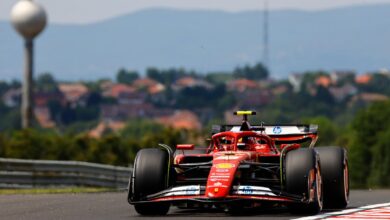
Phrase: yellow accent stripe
(244, 112)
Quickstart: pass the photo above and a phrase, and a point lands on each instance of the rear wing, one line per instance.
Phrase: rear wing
(273, 129)
(281, 133)
(278, 130)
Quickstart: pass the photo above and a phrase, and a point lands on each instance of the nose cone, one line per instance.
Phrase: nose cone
(220, 178)
(218, 192)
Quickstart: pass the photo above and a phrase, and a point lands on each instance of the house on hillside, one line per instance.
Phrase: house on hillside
(296, 81)
(342, 76)
(384, 72)
(12, 97)
(189, 82)
(41, 107)
(324, 81)
(254, 98)
(125, 111)
(149, 85)
(42, 99)
(154, 89)
(371, 97)
(366, 98)
(363, 79)
(341, 93)
(242, 85)
(114, 90)
(279, 90)
(75, 94)
(132, 98)
(43, 116)
(105, 126)
(181, 119)
(105, 84)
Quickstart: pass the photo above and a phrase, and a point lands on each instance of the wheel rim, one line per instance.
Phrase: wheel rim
(346, 182)
(319, 188)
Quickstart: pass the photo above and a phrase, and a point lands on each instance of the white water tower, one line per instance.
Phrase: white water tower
(29, 19)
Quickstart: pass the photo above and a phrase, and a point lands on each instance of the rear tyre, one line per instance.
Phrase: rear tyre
(303, 177)
(150, 175)
(334, 167)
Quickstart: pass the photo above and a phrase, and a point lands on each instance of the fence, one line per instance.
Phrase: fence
(18, 173)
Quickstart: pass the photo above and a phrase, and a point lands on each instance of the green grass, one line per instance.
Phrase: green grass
(55, 190)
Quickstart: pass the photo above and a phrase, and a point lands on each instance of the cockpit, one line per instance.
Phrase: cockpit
(242, 141)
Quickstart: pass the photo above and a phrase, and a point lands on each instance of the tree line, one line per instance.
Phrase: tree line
(367, 138)
(113, 148)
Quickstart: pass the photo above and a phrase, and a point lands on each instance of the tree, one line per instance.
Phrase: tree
(10, 119)
(3, 88)
(370, 127)
(219, 77)
(168, 76)
(139, 127)
(46, 83)
(256, 72)
(94, 99)
(194, 97)
(126, 77)
(324, 95)
(327, 130)
(154, 73)
(380, 166)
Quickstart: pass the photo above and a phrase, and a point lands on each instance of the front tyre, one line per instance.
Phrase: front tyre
(152, 208)
(150, 175)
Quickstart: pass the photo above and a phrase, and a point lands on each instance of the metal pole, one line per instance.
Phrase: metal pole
(266, 51)
(27, 93)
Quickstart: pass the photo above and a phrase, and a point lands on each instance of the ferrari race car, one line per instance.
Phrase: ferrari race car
(244, 166)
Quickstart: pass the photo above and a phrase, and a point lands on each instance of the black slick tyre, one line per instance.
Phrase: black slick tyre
(334, 166)
(152, 209)
(303, 178)
(150, 175)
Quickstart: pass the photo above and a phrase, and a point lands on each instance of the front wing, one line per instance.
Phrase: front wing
(196, 193)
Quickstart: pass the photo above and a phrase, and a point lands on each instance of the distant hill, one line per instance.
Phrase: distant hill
(346, 38)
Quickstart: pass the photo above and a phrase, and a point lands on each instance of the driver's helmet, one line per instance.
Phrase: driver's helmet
(244, 143)
(226, 143)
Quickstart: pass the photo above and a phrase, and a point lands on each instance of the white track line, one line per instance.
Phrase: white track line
(343, 212)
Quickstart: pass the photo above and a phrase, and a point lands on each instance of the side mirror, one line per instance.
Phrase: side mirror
(293, 146)
(185, 146)
(283, 146)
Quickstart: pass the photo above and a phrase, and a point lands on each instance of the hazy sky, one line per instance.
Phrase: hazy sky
(87, 11)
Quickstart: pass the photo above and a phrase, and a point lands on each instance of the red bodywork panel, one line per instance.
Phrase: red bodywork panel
(223, 171)
(185, 146)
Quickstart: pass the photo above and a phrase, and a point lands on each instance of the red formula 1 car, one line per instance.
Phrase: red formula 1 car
(244, 167)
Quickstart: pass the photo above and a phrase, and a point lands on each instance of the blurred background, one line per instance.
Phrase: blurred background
(112, 77)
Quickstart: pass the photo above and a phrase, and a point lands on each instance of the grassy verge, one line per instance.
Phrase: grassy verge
(55, 190)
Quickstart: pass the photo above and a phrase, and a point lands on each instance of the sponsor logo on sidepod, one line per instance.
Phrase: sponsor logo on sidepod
(192, 190)
(247, 190)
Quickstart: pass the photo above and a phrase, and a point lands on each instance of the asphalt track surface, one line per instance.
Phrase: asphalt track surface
(115, 206)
